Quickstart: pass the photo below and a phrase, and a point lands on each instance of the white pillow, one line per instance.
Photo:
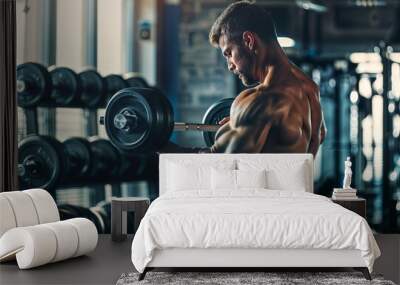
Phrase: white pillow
(285, 174)
(185, 177)
(188, 175)
(251, 178)
(293, 180)
(230, 180)
(223, 179)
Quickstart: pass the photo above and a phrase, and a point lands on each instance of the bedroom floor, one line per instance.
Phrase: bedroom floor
(110, 260)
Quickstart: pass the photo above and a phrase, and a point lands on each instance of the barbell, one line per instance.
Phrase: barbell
(141, 120)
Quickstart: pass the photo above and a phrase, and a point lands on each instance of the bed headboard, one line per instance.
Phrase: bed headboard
(269, 159)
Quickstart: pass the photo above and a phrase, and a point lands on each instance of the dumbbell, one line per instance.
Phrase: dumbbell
(114, 83)
(94, 89)
(59, 86)
(135, 80)
(33, 84)
(44, 162)
(38, 86)
(141, 120)
(110, 164)
(68, 211)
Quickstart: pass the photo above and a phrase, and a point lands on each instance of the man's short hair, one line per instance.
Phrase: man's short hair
(240, 17)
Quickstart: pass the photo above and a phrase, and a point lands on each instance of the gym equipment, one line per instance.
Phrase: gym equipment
(215, 114)
(60, 86)
(40, 162)
(103, 210)
(68, 211)
(134, 80)
(109, 163)
(105, 158)
(79, 155)
(33, 84)
(93, 89)
(44, 162)
(66, 86)
(114, 83)
(141, 119)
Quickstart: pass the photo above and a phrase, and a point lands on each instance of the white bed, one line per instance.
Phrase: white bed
(248, 227)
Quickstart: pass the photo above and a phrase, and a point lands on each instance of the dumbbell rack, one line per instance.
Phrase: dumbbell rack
(112, 83)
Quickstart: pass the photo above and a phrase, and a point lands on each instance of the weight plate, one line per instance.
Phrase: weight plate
(213, 115)
(106, 220)
(66, 86)
(134, 120)
(167, 119)
(79, 155)
(82, 212)
(134, 80)
(66, 213)
(33, 84)
(114, 84)
(93, 89)
(40, 163)
(105, 159)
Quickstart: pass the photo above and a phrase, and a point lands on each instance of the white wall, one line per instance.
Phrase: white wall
(70, 34)
(110, 36)
(70, 52)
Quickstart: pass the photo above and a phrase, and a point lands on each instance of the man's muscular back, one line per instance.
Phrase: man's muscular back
(267, 119)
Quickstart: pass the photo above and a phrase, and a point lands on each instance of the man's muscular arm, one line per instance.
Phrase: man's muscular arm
(247, 139)
(318, 130)
(253, 114)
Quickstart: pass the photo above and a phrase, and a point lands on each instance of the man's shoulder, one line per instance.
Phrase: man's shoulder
(263, 92)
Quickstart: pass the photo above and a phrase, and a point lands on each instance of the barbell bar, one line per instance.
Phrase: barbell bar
(141, 119)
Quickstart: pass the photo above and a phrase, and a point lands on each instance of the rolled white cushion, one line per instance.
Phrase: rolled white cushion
(40, 244)
(33, 246)
(66, 238)
(23, 208)
(46, 208)
(87, 235)
(7, 218)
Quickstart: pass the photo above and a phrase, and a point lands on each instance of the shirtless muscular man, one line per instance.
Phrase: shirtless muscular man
(281, 111)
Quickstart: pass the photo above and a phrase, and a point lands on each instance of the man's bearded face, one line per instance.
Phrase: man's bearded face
(240, 60)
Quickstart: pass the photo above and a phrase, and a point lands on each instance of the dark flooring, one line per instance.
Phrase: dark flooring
(110, 260)
(102, 266)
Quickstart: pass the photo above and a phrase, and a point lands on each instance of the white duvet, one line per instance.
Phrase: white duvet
(250, 219)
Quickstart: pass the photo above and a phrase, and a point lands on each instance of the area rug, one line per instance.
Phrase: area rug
(243, 278)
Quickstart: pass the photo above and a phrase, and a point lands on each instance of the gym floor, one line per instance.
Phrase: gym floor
(110, 259)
